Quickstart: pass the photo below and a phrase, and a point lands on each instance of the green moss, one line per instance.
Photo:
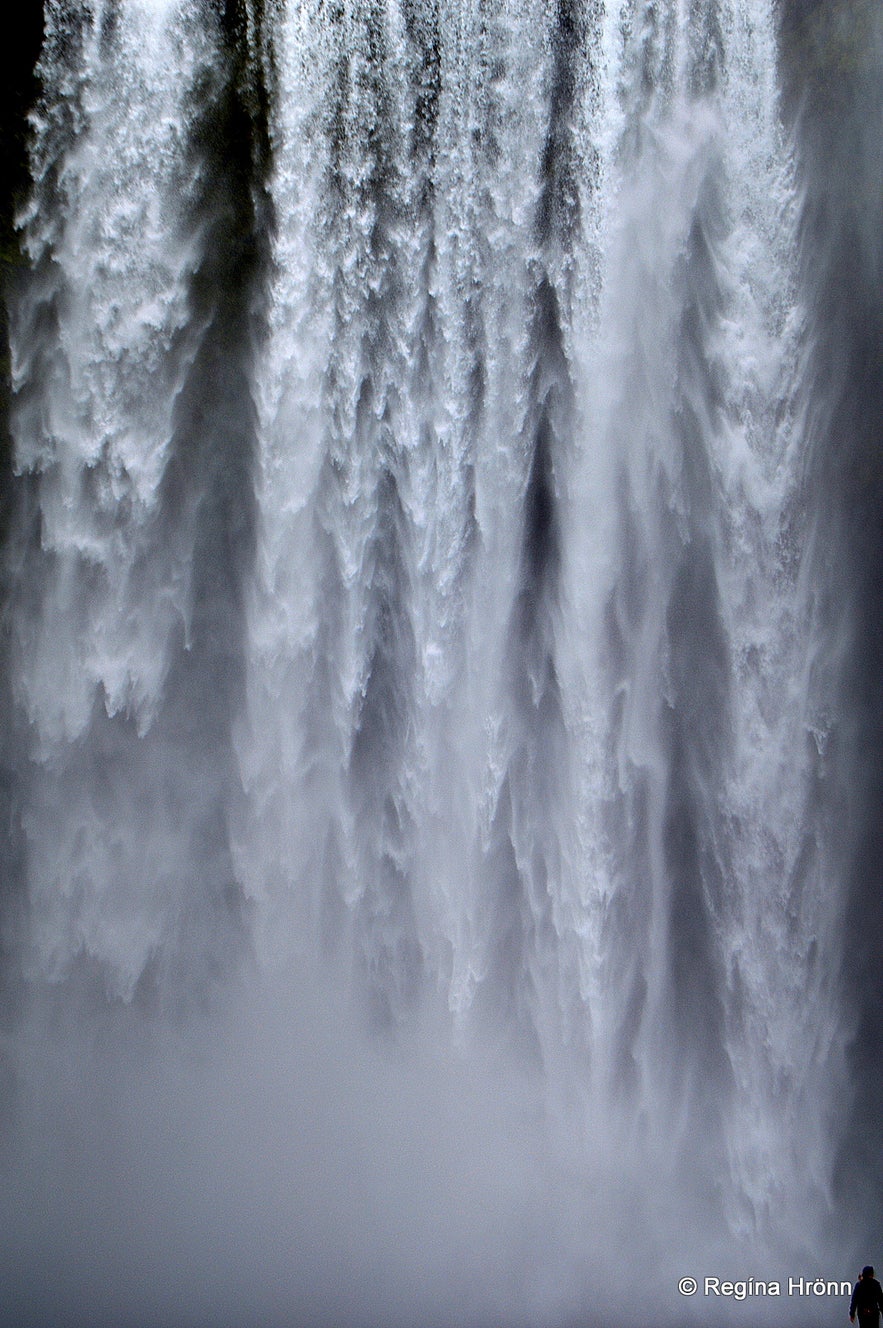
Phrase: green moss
(829, 44)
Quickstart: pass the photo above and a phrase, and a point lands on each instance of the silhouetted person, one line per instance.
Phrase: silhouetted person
(867, 1300)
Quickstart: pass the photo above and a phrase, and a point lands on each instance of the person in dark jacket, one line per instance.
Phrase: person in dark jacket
(867, 1300)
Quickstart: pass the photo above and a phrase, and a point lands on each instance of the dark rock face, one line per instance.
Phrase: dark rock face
(832, 60)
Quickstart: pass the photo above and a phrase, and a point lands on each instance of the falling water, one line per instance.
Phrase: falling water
(442, 652)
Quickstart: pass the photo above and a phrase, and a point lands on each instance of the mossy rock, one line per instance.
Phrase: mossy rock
(832, 43)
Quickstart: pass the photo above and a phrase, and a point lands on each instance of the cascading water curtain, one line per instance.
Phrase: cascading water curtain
(442, 653)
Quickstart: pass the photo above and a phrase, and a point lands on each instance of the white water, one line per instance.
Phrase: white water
(538, 808)
(103, 235)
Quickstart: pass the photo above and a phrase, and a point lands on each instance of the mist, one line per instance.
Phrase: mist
(266, 1162)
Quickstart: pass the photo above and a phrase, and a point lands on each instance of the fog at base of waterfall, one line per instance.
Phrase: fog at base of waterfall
(266, 1166)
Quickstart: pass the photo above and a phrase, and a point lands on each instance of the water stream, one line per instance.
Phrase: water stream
(442, 634)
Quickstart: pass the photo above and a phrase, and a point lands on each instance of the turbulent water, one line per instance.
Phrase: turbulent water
(443, 663)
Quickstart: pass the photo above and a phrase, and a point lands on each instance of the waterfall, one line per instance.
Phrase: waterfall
(441, 660)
